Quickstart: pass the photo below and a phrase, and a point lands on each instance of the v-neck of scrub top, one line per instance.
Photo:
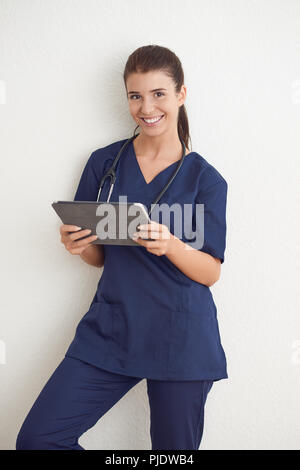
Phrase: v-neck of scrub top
(159, 179)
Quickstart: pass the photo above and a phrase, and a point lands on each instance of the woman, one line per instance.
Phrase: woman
(153, 315)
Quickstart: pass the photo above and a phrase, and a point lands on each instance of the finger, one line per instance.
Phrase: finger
(153, 225)
(84, 242)
(69, 228)
(79, 234)
(74, 236)
(78, 251)
(162, 229)
(148, 234)
(164, 235)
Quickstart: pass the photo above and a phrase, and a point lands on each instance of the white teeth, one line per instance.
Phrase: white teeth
(152, 120)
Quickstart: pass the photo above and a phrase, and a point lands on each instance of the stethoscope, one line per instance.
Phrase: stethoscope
(111, 173)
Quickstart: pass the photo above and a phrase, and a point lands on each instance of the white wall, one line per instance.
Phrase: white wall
(62, 96)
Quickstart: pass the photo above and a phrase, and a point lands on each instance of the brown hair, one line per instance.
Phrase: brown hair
(153, 57)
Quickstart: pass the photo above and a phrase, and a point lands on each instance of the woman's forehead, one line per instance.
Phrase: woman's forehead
(148, 81)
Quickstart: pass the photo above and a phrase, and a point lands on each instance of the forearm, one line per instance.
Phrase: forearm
(93, 255)
(197, 265)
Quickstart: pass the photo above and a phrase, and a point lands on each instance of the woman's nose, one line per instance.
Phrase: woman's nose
(147, 108)
(147, 112)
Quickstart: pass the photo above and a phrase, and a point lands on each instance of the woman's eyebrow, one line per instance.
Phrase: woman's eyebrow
(156, 89)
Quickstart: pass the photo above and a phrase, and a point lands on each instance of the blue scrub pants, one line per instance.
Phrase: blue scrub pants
(77, 394)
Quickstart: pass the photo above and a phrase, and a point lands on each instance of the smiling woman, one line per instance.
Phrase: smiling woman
(152, 315)
(154, 82)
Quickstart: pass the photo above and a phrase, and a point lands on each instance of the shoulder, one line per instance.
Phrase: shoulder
(110, 149)
(207, 174)
(102, 155)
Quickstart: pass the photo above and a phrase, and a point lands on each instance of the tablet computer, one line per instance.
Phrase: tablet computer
(113, 222)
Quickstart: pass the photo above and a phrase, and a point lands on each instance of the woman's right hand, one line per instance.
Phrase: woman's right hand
(70, 234)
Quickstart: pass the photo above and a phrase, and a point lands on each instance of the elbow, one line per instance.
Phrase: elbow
(216, 274)
(210, 284)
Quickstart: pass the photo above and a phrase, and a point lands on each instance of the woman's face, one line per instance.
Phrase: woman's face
(152, 95)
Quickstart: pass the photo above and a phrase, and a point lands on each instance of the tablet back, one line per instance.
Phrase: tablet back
(110, 221)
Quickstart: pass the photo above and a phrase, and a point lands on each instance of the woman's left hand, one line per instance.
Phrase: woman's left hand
(163, 242)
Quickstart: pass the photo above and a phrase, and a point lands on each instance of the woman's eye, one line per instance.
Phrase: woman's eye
(158, 92)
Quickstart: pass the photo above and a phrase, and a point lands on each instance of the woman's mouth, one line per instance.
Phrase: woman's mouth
(153, 121)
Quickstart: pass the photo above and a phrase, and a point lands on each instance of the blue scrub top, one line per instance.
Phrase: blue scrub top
(147, 318)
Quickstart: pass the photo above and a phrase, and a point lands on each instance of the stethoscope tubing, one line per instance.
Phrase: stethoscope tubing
(111, 173)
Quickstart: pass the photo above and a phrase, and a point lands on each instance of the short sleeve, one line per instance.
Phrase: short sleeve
(88, 186)
(214, 199)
